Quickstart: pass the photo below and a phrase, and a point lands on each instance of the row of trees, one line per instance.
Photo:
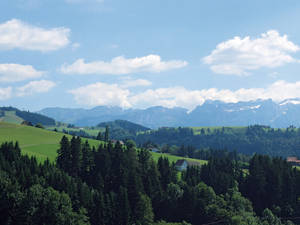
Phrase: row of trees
(249, 140)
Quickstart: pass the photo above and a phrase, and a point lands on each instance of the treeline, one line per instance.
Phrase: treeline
(116, 184)
(204, 154)
(250, 140)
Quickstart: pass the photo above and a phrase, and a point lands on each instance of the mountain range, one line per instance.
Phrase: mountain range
(211, 113)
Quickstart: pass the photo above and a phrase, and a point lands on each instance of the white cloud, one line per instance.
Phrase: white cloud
(15, 34)
(121, 65)
(35, 87)
(167, 97)
(5, 93)
(101, 94)
(181, 97)
(135, 83)
(17, 72)
(115, 95)
(239, 56)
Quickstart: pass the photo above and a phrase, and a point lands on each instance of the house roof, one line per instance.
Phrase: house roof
(293, 159)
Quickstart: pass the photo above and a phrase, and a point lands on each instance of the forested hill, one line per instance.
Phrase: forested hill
(14, 115)
(118, 185)
(122, 129)
(247, 140)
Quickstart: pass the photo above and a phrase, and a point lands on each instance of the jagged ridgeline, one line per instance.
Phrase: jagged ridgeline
(14, 115)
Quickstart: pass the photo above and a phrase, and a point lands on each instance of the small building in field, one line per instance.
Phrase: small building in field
(154, 149)
(182, 164)
(293, 160)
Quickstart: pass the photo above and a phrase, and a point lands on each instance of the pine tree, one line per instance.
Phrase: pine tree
(106, 135)
(76, 156)
(99, 136)
(63, 159)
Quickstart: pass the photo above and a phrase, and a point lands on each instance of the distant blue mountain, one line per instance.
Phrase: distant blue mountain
(211, 113)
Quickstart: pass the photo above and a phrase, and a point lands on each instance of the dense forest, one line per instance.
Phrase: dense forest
(248, 140)
(119, 184)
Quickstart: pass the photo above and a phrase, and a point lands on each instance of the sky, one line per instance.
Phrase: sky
(142, 53)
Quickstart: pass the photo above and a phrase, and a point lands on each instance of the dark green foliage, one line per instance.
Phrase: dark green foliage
(248, 140)
(122, 129)
(117, 185)
(106, 134)
(99, 136)
(35, 118)
(39, 125)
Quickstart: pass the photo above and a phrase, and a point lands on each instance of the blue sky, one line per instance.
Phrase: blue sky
(138, 53)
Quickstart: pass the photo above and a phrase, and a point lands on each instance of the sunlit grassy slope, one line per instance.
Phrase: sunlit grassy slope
(34, 141)
(43, 143)
(174, 158)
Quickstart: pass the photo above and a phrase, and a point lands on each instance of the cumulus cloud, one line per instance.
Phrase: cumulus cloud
(181, 97)
(121, 65)
(17, 72)
(5, 93)
(15, 34)
(35, 87)
(115, 95)
(135, 83)
(101, 94)
(239, 56)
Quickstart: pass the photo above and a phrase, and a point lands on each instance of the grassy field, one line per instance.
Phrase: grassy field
(34, 141)
(174, 158)
(43, 143)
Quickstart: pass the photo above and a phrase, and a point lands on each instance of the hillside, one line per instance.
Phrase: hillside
(122, 129)
(43, 144)
(14, 115)
(34, 141)
(247, 140)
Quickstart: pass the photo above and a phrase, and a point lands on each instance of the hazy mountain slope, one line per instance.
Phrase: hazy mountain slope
(211, 113)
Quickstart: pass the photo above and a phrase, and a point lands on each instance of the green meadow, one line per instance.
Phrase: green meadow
(33, 141)
(174, 158)
(43, 143)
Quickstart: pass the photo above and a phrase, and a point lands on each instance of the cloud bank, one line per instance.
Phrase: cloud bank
(239, 56)
(15, 34)
(121, 65)
(102, 94)
(115, 95)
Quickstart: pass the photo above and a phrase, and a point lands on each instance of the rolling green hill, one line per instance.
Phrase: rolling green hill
(43, 144)
(34, 141)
